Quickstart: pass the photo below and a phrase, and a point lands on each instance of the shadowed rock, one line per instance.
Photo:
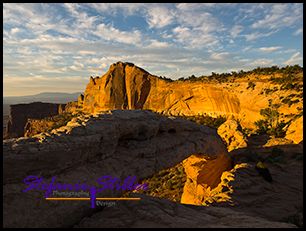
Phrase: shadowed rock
(20, 113)
(119, 143)
(152, 212)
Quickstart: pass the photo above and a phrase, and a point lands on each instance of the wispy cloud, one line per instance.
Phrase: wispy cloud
(109, 33)
(262, 62)
(256, 35)
(269, 49)
(219, 56)
(235, 31)
(160, 16)
(298, 31)
(280, 15)
(294, 59)
(51, 41)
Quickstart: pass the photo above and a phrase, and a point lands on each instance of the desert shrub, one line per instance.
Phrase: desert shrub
(229, 77)
(207, 120)
(278, 130)
(270, 124)
(166, 79)
(262, 126)
(288, 101)
(251, 85)
(267, 91)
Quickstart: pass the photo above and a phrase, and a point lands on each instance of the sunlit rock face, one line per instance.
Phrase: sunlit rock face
(231, 133)
(203, 175)
(126, 86)
(295, 131)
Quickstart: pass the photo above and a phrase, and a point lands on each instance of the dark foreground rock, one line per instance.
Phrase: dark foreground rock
(119, 143)
(140, 143)
(152, 212)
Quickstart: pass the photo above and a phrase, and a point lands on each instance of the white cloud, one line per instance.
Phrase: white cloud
(247, 48)
(280, 15)
(219, 56)
(113, 8)
(235, 31)
(157, 44)
(15, 30)
(269, 49)
(109, 33)
(159, 16)
(295, 59)
(192, 6)
(86, 52)
(298, 31)
(261, 62)
(257, 35)
(51, 40)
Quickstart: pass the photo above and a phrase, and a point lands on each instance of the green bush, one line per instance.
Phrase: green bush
(270, 124)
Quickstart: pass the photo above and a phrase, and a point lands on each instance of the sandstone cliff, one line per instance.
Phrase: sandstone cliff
(20, 113)
(126, 86)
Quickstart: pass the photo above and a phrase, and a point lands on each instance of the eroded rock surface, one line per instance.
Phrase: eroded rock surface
(277, 201)
(203, 174)
(231, 132)
(117, 143)
(152, 212)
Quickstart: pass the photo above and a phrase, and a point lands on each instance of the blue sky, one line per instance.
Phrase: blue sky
(57, 47)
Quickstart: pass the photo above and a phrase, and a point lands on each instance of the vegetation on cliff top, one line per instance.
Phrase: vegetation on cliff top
(226, 77)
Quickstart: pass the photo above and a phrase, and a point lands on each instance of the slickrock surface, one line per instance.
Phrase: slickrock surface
(119, 143)
(281, 200)
(242, 189)
(158, 213)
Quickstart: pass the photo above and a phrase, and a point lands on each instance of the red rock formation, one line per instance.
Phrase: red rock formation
(20, 113)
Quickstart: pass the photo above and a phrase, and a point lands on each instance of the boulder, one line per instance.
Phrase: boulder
(231, 133)
(203, 174)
